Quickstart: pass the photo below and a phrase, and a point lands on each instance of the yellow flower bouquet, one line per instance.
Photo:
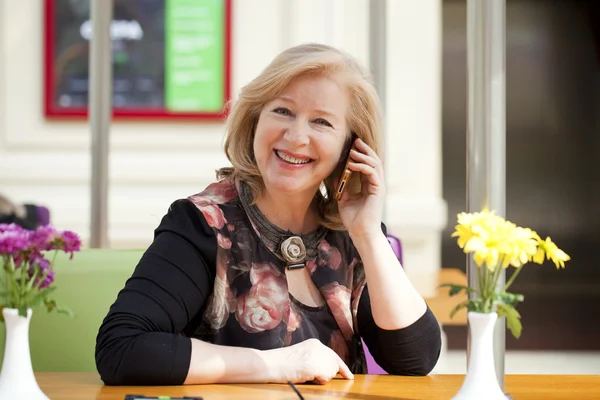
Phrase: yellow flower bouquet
(497, 244)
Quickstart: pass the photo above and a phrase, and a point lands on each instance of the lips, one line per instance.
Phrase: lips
(291, 158)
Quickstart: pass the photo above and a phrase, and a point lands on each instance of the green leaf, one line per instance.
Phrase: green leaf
(510, 298)
(455, 289)
(7, 264)
(513, 318)
(479, 307)
(38, 300)
(52, 305)
(23, 311)
(15, 288)
(2, 307)
(29, 285)
(459, 307)
(64, 310)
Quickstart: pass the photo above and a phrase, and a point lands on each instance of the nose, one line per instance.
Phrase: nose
(297, 133)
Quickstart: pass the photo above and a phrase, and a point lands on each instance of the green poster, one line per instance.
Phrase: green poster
(194, 57)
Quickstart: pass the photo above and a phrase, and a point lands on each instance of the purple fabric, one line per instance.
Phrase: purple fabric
(43, 215)
(372, 367)
(396, 246)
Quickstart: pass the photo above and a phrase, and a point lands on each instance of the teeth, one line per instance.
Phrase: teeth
(292, 159)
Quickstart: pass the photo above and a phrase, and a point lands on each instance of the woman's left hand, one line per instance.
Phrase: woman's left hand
(362, 215)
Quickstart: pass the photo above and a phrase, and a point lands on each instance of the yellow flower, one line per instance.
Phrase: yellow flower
(464, 234)
(539, 256)
(553, 253)
(469, 219)
(482, 253)
(487, 236)
(496, 242)
(466, 222)
(524, 244)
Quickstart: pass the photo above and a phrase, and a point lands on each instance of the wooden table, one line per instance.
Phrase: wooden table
(81, 386)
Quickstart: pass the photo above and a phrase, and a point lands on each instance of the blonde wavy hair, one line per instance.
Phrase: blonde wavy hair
(364, 117)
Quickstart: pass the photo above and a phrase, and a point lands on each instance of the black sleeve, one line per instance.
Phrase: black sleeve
(140, 341)
(413, 350)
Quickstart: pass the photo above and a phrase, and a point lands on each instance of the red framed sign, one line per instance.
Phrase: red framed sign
(171, 58)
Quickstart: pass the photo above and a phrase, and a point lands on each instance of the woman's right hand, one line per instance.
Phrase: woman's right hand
(308, 361)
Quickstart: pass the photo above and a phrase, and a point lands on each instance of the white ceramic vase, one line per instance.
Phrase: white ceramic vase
(481, 382)
(17, 380)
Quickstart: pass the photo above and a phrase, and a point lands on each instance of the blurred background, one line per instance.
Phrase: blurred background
(174, 71)
(552, 177)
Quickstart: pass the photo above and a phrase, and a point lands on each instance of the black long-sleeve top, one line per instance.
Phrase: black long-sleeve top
(145, 338)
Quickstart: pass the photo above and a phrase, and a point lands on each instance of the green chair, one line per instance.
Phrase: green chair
(88, 285)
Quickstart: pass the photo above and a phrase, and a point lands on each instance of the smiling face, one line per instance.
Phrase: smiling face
(300, 135)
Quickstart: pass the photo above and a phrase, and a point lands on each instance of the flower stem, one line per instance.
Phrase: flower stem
(513, 277)
(14, 289)
(53, 259)
(31, 280)
(482, 274)
(10, 282)
(494, 285)
(23, 275)
(488, 290)
(6, 269)
(481, 282)
(42, 279)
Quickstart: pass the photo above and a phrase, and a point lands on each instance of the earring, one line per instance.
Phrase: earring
(323, 190)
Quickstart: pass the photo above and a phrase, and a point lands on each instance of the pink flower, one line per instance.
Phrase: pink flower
(223, 300)
(13, 240)
(329, 256)
(263, 272)
(263, 307)
(358, 284)
(294, 320)
(214, 216)
(43, 237)
(338, 299)
(223, 241)
(216, 193)
(26, 250)
(339, 345)
(10, 227)
(209, 200)
(311, 265)
(69, 242)
(351, 270)
(47, 280)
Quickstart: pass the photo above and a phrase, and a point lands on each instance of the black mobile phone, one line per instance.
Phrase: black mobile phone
(346, 173)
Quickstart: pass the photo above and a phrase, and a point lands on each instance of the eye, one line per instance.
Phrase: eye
(282, 111)
(324, 122)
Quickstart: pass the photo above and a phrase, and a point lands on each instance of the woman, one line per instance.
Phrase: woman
(263, 276)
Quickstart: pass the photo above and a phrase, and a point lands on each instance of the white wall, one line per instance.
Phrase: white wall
(416, 210)
(152, 164)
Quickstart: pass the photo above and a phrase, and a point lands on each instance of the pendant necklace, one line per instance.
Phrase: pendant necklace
(293, 249)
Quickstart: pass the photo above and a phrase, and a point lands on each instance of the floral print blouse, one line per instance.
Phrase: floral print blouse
(250, 305)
